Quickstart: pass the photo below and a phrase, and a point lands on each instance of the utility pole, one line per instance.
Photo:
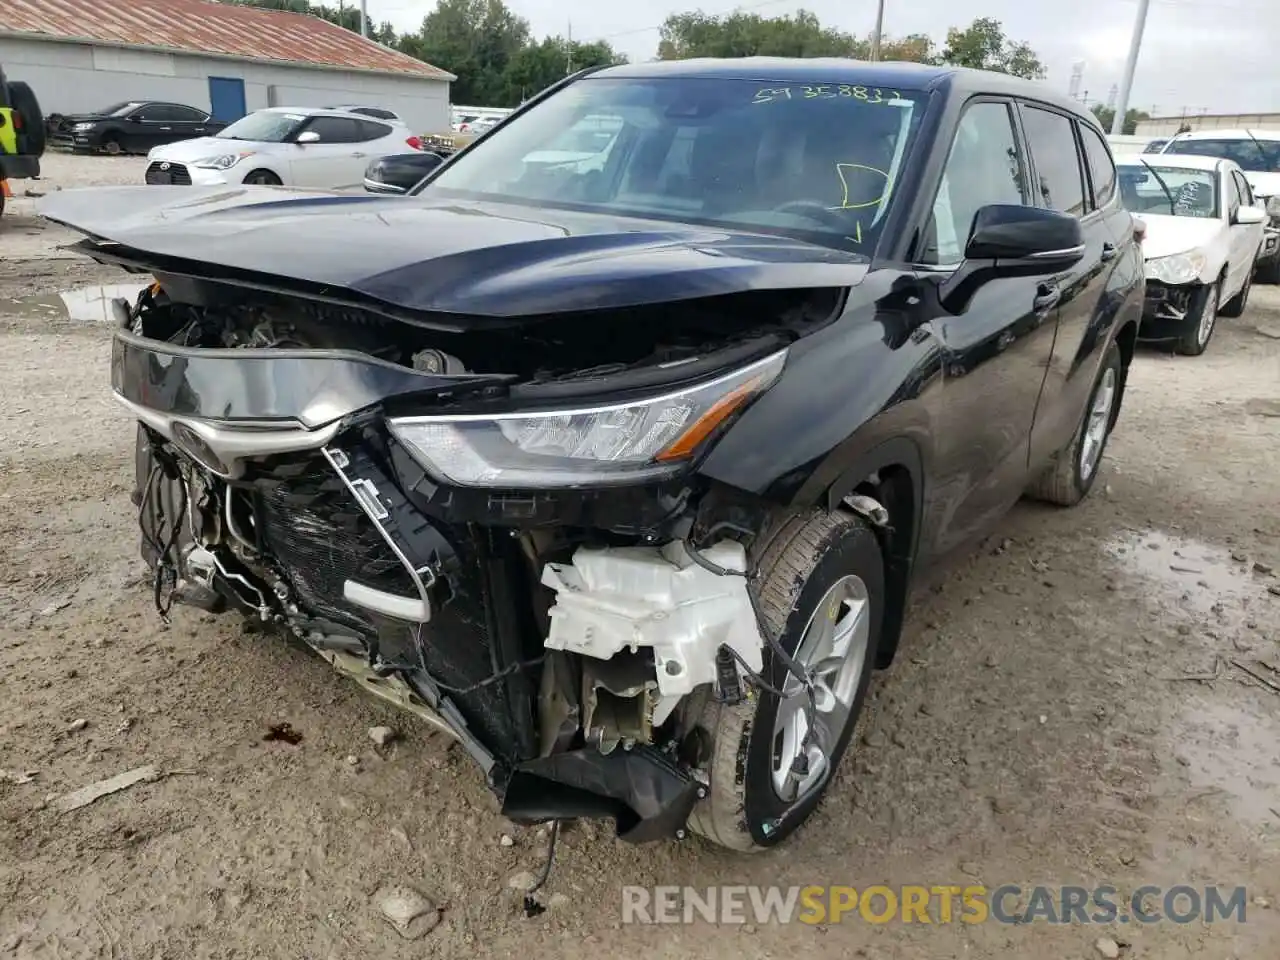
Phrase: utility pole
(364, 19)
(876, 34)
(568, 51)
(1130, 65)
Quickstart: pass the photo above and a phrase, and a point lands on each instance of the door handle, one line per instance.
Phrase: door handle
(1047, 297)
(1109, 251)
(358, 156)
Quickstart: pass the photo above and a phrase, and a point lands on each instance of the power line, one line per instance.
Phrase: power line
(738, 9)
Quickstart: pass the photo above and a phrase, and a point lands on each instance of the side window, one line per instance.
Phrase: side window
(1246, 191)
(150, 113)
(1056, 158)
(983, 167)
(372, 130)
(186, 114)
(1102, 171)
(336, 129)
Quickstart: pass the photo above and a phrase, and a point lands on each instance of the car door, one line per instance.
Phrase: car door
(1074, 173)
(188, 122)
(994, 353)
(328, 161)
(1246, 238)
(136, 129)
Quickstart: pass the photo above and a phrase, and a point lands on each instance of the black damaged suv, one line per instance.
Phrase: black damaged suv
(615, 447)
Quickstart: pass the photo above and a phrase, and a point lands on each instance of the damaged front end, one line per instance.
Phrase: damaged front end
(504, 534)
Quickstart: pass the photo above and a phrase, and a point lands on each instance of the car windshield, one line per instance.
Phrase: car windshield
(266, 126)
(116, 109)
(817, 161)
(1172, 191)
(1253, 156)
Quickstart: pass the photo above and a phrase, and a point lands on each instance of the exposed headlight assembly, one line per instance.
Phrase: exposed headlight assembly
(1179, 268)
(81, 127)
(1273, 206)
(588, 446)
(224, 161)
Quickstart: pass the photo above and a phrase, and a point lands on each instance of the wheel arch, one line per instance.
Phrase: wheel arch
(892, 473)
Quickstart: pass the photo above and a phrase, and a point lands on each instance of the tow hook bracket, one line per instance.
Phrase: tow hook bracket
(869, 508)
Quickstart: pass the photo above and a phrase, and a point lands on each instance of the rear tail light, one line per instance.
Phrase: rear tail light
(415, 142)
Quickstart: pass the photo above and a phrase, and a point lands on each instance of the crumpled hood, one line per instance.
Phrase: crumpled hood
(1167, 235)
(483, 260)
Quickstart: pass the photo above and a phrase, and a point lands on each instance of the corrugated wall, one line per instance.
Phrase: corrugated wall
(76, 78)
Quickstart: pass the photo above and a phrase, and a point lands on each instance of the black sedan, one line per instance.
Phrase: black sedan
(134, 126)
(399, 172)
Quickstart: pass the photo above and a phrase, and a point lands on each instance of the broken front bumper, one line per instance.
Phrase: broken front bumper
(423, 593)
(1170, 311)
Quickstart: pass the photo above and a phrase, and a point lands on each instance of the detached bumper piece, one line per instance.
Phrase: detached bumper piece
(645, 793)
(1170, 311)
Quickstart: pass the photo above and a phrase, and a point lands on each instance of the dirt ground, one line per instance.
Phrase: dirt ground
(1072, 705)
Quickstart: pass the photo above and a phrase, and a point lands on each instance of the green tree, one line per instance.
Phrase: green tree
(1132, 117)
(698, 34)
(541, 64)
(984, 46)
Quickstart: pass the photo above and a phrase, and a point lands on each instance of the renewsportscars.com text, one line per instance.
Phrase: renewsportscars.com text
(941, 904)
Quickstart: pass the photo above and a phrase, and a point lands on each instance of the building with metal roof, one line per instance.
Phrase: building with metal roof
(80, 55)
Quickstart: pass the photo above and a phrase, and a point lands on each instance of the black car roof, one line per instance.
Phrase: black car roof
(911, 76)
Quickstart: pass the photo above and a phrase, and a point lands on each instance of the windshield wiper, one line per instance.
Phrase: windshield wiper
(1163, 186)
(1266, 160)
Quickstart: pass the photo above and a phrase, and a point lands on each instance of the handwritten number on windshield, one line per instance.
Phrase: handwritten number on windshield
(827, 91)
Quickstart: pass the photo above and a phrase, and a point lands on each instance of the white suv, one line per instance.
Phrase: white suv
(1257, 152)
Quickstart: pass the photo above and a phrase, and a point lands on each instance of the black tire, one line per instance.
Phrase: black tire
(24, 102)
(1236, 305)
(1063, 481)
(1202, 320)
(1268, 270)
(262, 178)
(808, 555)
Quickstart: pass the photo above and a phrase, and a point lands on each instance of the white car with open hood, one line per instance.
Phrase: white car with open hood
(300, 147)
(1204, 234)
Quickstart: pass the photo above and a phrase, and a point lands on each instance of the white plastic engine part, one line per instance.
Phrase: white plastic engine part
(612, 599)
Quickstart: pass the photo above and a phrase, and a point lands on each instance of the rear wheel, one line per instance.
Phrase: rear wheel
(822, 594)
(1070, 477)
(1204, 322)
(262, 178)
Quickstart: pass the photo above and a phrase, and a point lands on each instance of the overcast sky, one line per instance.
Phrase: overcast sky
(1217, 55)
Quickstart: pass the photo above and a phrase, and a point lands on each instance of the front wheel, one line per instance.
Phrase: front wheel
(1204, 320)
(263, 178)
(111, 146)
(822, 594)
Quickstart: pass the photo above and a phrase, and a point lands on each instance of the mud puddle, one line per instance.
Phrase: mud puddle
(1196, 580)
(1230, 750)
(91, 304)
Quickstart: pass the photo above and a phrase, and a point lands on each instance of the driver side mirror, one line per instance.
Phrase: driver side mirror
(307, 136)
(135, 118)
(1010, 240)
(1250, 215)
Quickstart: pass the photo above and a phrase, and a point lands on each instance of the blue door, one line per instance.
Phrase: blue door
(226, 98)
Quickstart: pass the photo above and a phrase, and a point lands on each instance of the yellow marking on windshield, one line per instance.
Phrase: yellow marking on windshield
(831, 91)
(842, 169)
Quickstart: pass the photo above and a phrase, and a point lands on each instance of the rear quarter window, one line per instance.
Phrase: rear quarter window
(1102, 170)
(1059, 182)
(372, 130)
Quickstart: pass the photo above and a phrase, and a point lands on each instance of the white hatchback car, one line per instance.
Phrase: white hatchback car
(302, 147)
(1203, 236)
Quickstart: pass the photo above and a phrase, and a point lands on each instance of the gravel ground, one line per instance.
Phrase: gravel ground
(1066, 709)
